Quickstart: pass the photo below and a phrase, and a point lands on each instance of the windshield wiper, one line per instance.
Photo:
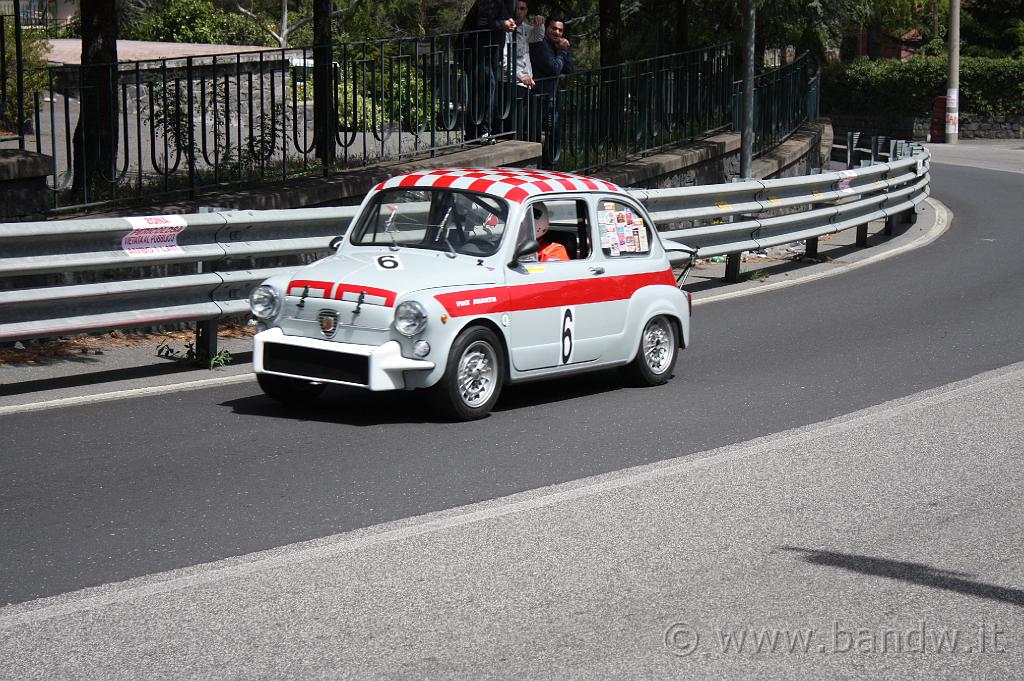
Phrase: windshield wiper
(389, 229)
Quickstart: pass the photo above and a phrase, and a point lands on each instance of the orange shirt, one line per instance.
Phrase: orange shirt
(552, 251)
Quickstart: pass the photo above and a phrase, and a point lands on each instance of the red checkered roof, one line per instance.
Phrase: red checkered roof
(513, 184)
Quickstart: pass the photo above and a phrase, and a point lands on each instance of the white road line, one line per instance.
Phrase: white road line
(942, 222)
(33, 612)
(124, 394)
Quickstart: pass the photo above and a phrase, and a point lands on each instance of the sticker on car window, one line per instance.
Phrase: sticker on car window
(388, 262)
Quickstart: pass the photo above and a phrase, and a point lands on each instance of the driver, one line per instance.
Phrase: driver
(549, 250)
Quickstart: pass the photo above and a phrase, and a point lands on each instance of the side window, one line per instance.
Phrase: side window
(564, 223)
(624, 233)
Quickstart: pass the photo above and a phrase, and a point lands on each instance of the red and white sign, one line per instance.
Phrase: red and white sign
(153, 234)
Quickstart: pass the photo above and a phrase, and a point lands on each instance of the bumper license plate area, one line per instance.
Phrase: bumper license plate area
(331, 366)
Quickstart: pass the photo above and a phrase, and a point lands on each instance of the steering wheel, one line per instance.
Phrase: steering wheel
(479, 245)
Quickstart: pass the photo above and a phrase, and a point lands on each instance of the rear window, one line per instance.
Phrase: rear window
(624, 232)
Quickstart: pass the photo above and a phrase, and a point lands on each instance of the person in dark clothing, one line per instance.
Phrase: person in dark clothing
(550, 59)
(483, 39)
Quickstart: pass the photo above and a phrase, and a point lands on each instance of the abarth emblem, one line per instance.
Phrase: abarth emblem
(328, 322)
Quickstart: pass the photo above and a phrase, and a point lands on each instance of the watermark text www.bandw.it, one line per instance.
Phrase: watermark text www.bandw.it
(920, 637)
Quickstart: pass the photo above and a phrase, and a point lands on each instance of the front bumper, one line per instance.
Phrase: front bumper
(376, 367)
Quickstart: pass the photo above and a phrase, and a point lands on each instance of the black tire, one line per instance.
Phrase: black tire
(289, 391)
(656, 356)
(473, 377)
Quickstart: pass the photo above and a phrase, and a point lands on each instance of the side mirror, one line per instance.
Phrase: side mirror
(678, 254)
(524, 249)
(336, 241)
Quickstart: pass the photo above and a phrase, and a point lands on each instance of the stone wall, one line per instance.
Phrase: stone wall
(917, 128)
(991, 127)
(716, 160)
(23, 191)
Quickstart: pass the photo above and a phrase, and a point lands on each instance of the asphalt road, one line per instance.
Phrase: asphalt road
(106, 492)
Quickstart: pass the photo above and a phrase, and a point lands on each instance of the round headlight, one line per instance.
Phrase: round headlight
(410, 318)
(264, 302)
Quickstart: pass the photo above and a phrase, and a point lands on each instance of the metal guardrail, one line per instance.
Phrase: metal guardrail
(215, 252)
(757, 214)
(214, 248)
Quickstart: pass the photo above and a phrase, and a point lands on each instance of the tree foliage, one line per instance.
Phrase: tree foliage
(33, 75)
(194, 21)
(992, 87)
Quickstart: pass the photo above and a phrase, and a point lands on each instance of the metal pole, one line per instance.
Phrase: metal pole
(19, 66)
(324, 124)
(953, 82)
(747, 133)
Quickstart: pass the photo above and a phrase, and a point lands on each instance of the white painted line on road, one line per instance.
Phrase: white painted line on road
(140, 588)
(941, 224)
(123, 394)
(942, 221)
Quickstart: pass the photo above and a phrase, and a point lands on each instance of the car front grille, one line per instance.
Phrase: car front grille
(323, 364)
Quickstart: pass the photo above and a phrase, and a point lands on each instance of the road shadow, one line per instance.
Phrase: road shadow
(342, 405)
(169, 367)
(915, 573)
(359, 407)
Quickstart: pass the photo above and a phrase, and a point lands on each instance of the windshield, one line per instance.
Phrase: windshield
(436, 219)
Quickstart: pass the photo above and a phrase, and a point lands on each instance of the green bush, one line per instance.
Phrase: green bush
(33, 54)
(197, 21)
(988, 87)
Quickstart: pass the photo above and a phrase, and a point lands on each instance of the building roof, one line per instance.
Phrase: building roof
(513, 184)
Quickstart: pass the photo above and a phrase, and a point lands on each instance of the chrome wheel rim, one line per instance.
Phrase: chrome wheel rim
(477, 375)
(658, 340)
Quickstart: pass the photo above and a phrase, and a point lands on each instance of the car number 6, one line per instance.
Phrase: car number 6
(568, 334)
(388, 262)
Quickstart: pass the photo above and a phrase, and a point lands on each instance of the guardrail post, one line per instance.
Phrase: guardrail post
(811, 248)
(890, 222)
(862, 235)
(851, 146)
(732, 268)
(206, 340)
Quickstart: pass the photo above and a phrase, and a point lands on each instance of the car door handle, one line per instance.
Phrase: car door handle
(597, 270)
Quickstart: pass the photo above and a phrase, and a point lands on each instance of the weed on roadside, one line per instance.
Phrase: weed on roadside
(192, 356)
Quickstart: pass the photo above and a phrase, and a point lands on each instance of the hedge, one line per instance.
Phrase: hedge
(988, 87)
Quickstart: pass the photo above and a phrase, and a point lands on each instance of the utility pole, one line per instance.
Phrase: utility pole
(747, 132)
(953, 81)
(325, 122)
(732, 262)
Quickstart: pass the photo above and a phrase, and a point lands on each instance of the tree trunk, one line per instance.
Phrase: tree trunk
(95, 139)
(324, 114)
(683, 27)
(610, 17)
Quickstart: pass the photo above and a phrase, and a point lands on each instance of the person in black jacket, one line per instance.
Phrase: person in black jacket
(483, 40)
(550, 58)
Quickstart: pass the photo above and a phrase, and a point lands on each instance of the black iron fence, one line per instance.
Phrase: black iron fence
(612, 113)
(185, 126)
(784, 98)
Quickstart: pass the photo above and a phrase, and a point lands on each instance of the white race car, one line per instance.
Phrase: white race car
(463, 280)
